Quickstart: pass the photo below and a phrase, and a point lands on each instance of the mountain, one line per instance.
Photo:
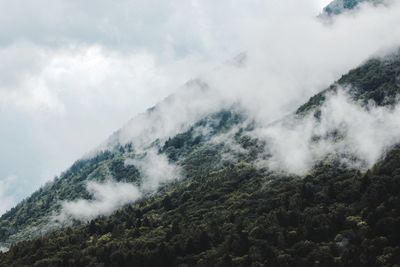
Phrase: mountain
(339, 6)
(37, 214)
(332, 217)
(376, 79)
(225, 209)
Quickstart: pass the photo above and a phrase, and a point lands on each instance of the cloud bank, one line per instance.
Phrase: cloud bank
(290, 55)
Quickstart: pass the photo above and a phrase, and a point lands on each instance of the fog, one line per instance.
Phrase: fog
(355, 135)
(287, 60)
(71, 81)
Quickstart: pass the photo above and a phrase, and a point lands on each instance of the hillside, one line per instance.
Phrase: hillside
(36, 215)
(239, 216)
(226, 211)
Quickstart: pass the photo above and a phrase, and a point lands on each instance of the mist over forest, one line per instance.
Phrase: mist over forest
(200, 133)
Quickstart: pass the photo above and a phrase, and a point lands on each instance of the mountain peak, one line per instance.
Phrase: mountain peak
(339, 6)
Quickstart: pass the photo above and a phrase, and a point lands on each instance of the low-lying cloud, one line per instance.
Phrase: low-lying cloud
(106, 197)
(358, 134)
(155, 170)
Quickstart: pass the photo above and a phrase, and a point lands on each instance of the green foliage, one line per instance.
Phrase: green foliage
(23, 221)
(227, 212)
(183, 144)
(239, 216)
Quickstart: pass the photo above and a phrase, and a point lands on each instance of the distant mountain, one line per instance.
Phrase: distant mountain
(339, 6)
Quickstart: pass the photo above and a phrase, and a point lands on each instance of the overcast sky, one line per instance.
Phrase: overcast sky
(72, 72)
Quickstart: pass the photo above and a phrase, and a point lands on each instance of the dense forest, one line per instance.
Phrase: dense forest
(239, 216)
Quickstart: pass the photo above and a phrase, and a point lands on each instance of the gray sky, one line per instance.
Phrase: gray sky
(73, 72)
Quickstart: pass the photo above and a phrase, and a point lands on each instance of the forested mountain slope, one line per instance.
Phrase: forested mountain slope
(226, 210)
(239, 215)
(35, 215)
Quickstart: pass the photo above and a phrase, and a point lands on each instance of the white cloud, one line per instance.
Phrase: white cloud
(363, 134)
(107, 197)
(156, 170)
